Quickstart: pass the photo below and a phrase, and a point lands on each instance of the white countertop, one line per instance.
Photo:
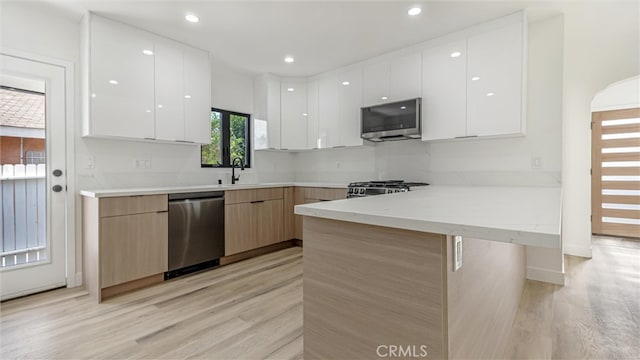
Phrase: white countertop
(198, 188)
(520, 215)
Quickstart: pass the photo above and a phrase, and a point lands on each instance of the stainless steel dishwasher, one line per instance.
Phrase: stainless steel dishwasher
(196, 231)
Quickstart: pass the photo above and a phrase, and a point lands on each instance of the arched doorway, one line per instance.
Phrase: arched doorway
(615, 160)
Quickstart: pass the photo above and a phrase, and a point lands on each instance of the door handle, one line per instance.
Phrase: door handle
(56, 188)
(57, 172)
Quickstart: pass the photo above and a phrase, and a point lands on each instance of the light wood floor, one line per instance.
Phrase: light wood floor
(253, 309)
(596, 315)
(247, 310)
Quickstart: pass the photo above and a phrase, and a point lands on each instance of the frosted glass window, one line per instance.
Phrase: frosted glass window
(621, 220)
(621, 122)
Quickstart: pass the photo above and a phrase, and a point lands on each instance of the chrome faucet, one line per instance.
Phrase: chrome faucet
(233, 169)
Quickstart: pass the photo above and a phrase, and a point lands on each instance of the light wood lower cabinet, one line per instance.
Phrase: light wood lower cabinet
(255, 223)
(132, 247)
(310, 195)
(125, 241)
(289, 216)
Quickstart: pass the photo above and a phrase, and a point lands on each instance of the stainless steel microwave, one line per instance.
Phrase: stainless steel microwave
(393, 121)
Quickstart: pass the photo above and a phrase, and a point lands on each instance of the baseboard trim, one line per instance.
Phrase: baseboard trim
(114, 290)
(577, 250)
(545, 275)
(225, 260)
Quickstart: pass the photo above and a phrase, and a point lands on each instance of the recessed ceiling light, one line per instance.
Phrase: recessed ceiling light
(384, 98)
(304, 114)
(414, 11)
(113, 82)
(160, 106)
(148, 111)
(490, 94)
(93, 95)
(290, 89)
(191, 18)
(147, 52)
(345, 83)
(455, 54)
(403, 108)
(475, 78)
(187, 96)
(289, 59)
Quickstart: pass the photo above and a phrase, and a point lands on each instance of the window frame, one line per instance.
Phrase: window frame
(225, 139)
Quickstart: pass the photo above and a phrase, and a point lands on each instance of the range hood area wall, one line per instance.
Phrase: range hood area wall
(508, 161)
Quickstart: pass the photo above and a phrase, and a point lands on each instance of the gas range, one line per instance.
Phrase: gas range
(369, 188)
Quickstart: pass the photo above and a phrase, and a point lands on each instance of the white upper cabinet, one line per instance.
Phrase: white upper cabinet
(143, 86)
(494, 82)
(169, 85)
(473, 86)
(293, 120)
(339, 103)
(266, 112)
(312, 114)
(405, 77)
(444, 91)
(376, 83)
(350, 102)
(197, 96)
(121, 89)
(393, 79)
(328, 111)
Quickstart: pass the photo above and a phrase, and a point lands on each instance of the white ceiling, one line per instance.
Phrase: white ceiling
(255, 36)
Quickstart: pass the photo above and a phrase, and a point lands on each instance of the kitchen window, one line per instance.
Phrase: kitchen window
(229, 139)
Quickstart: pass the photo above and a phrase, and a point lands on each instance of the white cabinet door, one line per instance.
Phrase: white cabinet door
(494, 92)
(122, 81)
(169, 90)
(312, 114)
(444, 91)
(273, 113)
(266, 112)
(376, 83)
(405, 77)
(350, 102)
(197, 95)
(328, 110)
(293, 116)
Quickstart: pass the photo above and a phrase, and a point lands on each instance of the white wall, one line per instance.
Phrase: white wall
(602, 46)
(505, 161)
(623, 94)
(231, 89)
(336, 165)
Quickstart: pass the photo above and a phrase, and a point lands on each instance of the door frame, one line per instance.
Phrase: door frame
(73, 274)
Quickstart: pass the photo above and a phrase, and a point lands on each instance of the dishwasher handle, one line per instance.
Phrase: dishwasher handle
(197, 195)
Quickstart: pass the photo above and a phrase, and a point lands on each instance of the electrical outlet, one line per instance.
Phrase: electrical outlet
(89, 163)
(457, 252)
(536, 163)
(143, 164)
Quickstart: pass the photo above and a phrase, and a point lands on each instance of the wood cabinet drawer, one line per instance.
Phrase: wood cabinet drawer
(127, 205)
(324, 194)
(250, 195)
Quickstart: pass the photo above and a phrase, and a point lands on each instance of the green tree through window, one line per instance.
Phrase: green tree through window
(229, 139)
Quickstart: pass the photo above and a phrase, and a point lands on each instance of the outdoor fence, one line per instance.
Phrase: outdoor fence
(23, 214)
